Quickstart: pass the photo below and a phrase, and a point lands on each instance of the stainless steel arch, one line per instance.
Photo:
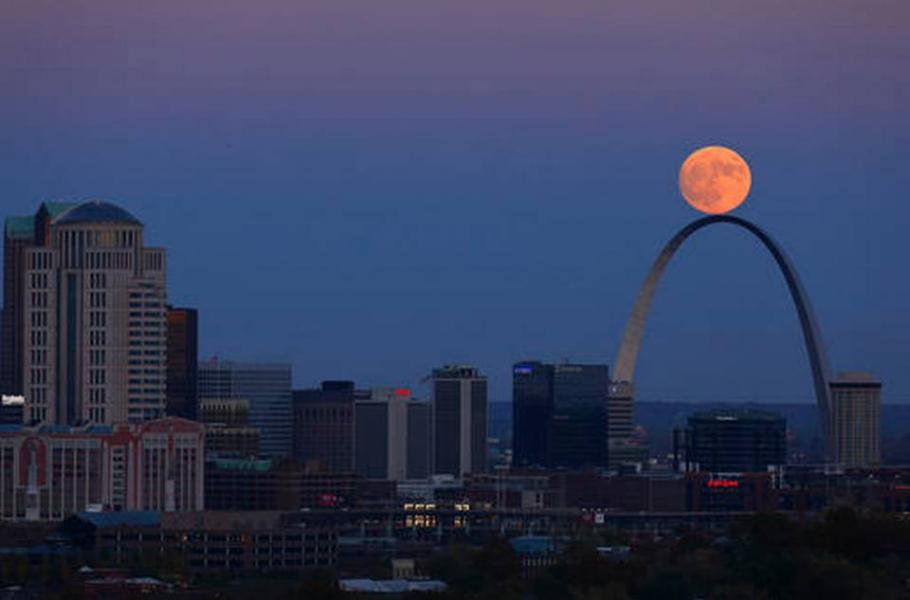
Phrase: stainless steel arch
(624, 367)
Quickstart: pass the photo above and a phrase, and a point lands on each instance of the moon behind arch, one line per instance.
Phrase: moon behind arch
(714, 180)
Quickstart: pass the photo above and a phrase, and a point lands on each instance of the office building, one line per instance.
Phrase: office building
(855, 415)
(459, 415)
(50, 472)
(19, 234)
(420, 431)
(324, 426)
(620, 425)
(381, 434)
(579, 437)
(228, 432)
(735, 441)
(182, 362)
(560, 415)
(532, 414)
(84, 324)
(267, 388)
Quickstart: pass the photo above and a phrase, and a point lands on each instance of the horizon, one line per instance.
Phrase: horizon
(331, 198)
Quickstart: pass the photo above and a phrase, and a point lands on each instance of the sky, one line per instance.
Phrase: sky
(370, 189)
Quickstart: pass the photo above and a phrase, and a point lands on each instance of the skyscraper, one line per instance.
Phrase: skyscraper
(19, 233)
(580, 415)
(459, 413)
(324, 426)
(267, 387)
(86, 325)
(856, 420)
(381, 434)
(182, 362)
(560, 414)
(419, 439)
(532, 414)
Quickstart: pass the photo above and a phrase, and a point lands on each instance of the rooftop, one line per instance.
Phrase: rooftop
(96, 211)
(136, 518)
(736, 414)
(20, 228)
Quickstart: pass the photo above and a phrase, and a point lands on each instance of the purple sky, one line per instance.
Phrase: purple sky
(369, 189)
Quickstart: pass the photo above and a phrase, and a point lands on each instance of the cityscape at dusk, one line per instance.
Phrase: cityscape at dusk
(459, 300)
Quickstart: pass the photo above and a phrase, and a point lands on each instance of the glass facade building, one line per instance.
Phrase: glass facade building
(267, 388)
(560, 414)
(736, 441)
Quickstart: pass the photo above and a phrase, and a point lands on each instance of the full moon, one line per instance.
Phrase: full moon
(714, 180)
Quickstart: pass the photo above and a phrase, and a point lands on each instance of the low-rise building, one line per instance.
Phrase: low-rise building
(48, 472)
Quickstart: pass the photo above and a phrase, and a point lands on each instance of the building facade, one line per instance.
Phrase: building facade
(560, 415)
(735, 441)
(50, 472)
(182, 362)
(84, 323)
(382, 435)
(420, 440)
(227, 428)
(267, 388)
(856, 420)
(324, 426)
(459, 414)
(532, 414)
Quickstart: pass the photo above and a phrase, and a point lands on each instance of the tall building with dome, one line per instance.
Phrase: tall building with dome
(85, 330)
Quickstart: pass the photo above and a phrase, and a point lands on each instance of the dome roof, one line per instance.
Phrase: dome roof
(96, 211)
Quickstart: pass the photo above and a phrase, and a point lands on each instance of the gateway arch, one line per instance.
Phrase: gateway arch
(624, 367)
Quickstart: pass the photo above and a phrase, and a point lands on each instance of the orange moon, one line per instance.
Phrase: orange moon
(715, 180)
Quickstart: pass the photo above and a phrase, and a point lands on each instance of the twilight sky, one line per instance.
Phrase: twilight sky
(370, 189)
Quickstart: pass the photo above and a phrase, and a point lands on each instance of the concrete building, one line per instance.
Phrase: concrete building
(855, 420)
(50, 472)
(19, 234)
(85, 325)
(182, 362)
(267, 388)
(735, 441)
(381, 434)
(209, 542)
(324, 426)
(459, 415)
(420, 438)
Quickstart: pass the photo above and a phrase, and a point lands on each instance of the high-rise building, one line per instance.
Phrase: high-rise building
(19, 233)
(621, 424)
(459, 414)
(579, 415)
(84, 324)
(182, 362)
(419, 439)
(532, 414)
(267, 388)
(324, 426)
(560, 414)
(855, 415)
(735, 441)
(381, 434)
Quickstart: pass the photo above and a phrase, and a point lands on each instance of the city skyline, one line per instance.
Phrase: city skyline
(498, 197)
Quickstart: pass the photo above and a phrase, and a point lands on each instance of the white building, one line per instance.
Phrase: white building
(92, 318)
